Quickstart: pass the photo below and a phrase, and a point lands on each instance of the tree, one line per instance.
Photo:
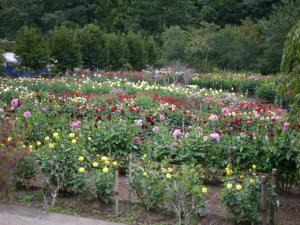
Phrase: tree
(151, 51)
(274, 32)
(156, 15)
(65, 48)
(236, 47)
(290, 66)
(92, 44)
(199, 48)
(17, 13)
(174, 43)
(116, 51)
(111, 14)
(224, 12)
(136, 51)
(31, 48)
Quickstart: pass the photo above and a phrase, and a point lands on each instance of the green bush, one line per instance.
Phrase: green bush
(274, 34)
(174, 43)
(152, 51)
(148, 187)
(179, 187)
(290, 66)
(266, 92)
(236, 47)
(91, 40)
(116, 51)
(65, 48)
(241, 198)
(31, 48)
(104, 183)
(136, 51)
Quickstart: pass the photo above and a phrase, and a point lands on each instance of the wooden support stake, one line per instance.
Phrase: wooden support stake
(273, 204)
(116, 192)
(264, 199)
(130, 178)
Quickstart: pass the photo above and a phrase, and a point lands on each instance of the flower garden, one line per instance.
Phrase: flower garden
(81, 135)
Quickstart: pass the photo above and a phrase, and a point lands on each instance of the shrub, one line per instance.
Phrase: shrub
(31, 48)
(290, 66)
(199, 48)
(174, 43)
(274, 34)
(178, 187)
(136, 51)
(152, 51)
(65, 48)
(148, 186)
(92, 43)
(241, 198)
(236, 47)
(116, 51)
(266, 92)
(56, 160)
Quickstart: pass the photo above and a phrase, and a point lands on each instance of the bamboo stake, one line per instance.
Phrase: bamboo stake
(263, 199)
(273, 205)
(116, 192)
(130, 178)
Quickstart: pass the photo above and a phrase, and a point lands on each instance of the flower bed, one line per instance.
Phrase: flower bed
(77, 131)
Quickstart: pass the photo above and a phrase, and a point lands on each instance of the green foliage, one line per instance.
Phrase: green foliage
(160, 14)
(274, 33)
(174, 43)
(179, 187)
(266, 93)
(136, 51)
(25, 170)
(223, 12)
(111, 15)
(115, 138)
(31, 48)
(236, 47)
(152, 51)
(65, 49)
(290, 66)
(116, 51)
(56, 161)
(91, 40)
(1, 61)
(104, 185)
(149, 187)
(242, 202)
(199, 48)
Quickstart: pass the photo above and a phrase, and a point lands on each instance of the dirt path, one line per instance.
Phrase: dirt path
(17, 215)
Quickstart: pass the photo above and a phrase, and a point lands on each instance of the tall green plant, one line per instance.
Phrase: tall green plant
(290, 66)
(32, 48)
(65, 48)
(92, 43)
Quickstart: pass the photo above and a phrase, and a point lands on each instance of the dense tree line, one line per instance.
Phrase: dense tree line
(129, 34)
(124, 15)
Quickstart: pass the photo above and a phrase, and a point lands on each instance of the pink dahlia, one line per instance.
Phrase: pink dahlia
(285, 126)
(15, 103)
(215, 137)
(213, 118)
(27, 115)
(176, 133)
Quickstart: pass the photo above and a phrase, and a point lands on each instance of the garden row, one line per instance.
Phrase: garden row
(75, 132)
(262, 87)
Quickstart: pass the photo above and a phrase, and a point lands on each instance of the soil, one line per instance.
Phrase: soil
(134, 214)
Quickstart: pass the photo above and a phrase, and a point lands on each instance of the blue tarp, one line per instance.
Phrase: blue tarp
(14, 72)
